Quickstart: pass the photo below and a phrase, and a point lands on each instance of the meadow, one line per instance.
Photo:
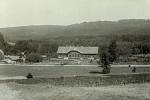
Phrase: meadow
(13, 91)
(47, 91)
(68, 70)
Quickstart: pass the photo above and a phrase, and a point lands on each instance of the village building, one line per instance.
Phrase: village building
(13, 59)
(77, 52)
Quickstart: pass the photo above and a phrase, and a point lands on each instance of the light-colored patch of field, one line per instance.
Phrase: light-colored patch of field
(7, 93)
(48, 92)
(14, 77)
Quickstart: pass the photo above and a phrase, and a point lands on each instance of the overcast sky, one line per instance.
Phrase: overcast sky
(64, 12)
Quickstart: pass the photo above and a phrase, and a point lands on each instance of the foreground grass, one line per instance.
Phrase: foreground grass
(7, 93)
(13, 91)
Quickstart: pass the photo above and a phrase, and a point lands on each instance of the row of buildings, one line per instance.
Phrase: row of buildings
(11, 59)
(64, 52)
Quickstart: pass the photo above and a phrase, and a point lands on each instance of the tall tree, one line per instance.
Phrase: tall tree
(2, 41)
(112, 50)
(105, 62)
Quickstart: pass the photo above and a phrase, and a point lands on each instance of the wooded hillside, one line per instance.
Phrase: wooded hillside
(132, 29)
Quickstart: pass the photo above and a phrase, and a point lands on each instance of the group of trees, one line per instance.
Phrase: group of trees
(29, 46)
(32, 49)
(111, 52)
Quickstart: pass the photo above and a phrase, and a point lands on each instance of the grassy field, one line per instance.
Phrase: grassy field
(54, 71)
(46, 71)
(13, 91)
(45, 91)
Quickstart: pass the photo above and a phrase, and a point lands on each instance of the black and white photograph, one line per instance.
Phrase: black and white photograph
(74, 49)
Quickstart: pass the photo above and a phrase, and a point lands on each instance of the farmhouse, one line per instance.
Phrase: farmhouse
(1, 54)
(77, 52)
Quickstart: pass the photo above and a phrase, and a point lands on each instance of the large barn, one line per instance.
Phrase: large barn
(77, 52)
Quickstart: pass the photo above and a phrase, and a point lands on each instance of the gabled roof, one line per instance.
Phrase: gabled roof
(81, 49)
(11, 43)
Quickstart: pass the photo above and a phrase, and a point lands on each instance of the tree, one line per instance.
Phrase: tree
(124, 48)
(135, 50)
(34, 57)
(141, 48)
(112, 50)
(21, 46)
(108, 55)
(105, 62)
(2, 41)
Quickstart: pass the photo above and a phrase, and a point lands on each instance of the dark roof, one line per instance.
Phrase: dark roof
(81, 49)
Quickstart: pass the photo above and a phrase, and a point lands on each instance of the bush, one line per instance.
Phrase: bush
(106, 70)
(29, 75)
(34, 57)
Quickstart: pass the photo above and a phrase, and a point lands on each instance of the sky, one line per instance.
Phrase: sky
(66, 12)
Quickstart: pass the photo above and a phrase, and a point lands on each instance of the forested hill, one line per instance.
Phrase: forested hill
(100, 28)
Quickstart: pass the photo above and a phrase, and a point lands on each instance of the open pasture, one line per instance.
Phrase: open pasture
(67, 70)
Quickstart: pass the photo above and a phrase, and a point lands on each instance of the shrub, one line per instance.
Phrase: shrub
(106, 70)
(29, 75)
